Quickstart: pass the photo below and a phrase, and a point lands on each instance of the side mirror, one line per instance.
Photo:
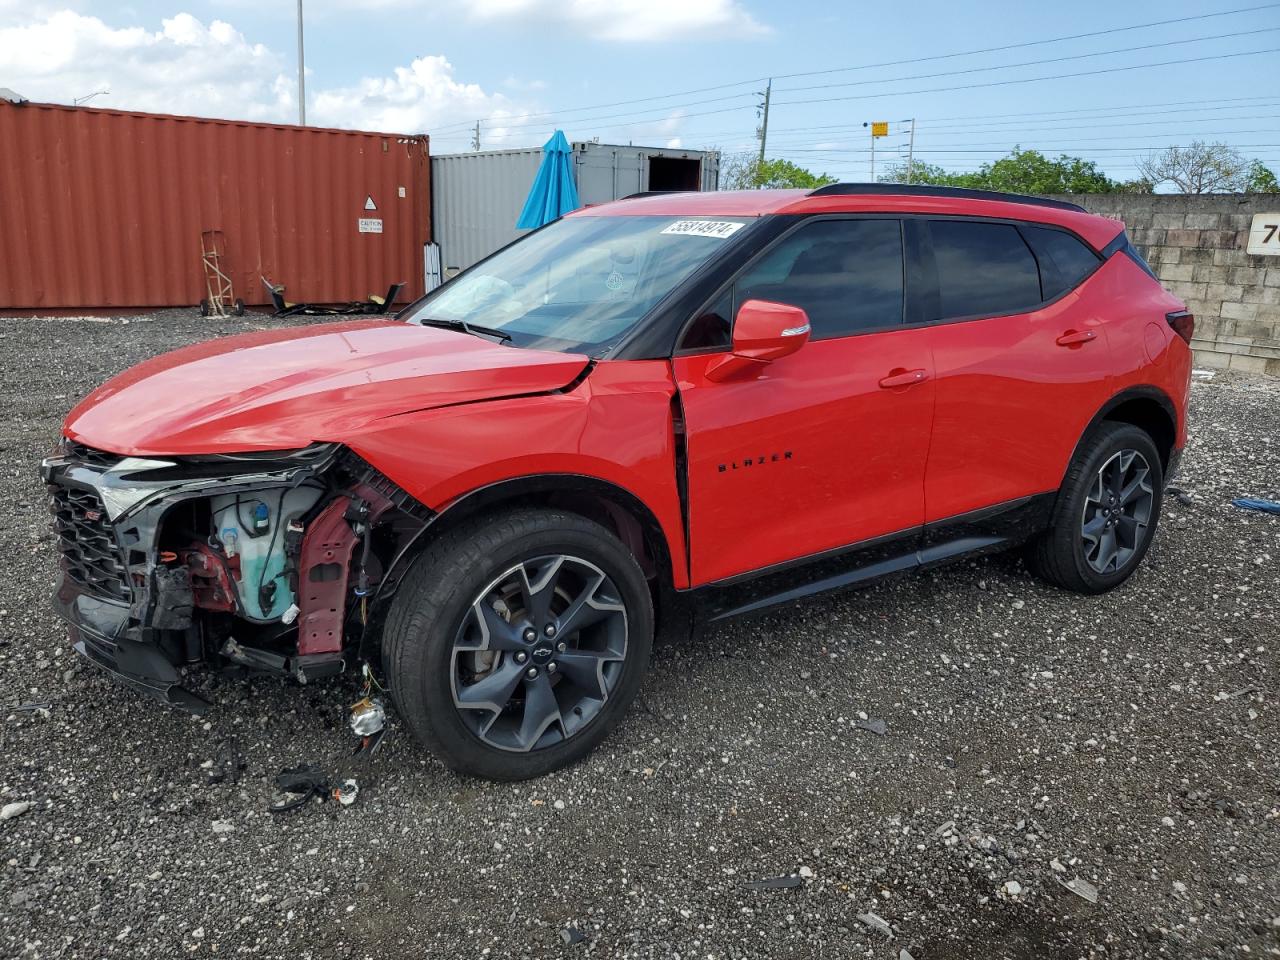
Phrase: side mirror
(762, 332)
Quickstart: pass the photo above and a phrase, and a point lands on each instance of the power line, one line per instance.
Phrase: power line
(1057, 76)
(958, 131)
(1027, 43)
(513, 120)
(1032, 63)
(835, 129)
(1186, 105)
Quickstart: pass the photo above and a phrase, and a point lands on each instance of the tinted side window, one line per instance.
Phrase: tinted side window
(984, 269)
(846, 274)
(1064, 260)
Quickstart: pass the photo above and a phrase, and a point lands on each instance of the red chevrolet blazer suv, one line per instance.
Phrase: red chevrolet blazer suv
(647, 415)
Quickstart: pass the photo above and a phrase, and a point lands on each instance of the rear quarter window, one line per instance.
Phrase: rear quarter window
(984, 269)
(1064, 259)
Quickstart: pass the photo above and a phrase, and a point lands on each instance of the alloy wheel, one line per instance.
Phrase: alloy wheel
(1117, 511)
(538, 653)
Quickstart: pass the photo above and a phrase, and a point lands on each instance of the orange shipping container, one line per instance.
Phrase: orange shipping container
(104, 208)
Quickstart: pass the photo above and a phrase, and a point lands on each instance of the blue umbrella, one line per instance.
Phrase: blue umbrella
(554, 193)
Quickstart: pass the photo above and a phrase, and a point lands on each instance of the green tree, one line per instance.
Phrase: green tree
(1023, 171)
(929, 173)
(745, 172)
(1261, 179)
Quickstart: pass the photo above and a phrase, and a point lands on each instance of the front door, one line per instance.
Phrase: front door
(823, 449)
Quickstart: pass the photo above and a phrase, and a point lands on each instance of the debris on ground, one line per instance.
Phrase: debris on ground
(877, 923)
(41, 708)
(1234, 694)
(229, 763)
(572, 935)
(1180, 495)
(300, 783)
(777, 883)
(346, 792)
(878, 727)
(1253, 503)
(11, 810)
(1080, 887)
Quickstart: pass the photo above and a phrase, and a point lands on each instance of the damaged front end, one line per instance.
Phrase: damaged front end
(262, 562)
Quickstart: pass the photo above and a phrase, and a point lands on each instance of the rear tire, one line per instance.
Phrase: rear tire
(1106, 513)
(517, 642)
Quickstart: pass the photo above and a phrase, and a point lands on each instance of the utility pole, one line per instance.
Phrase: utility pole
(475, 137)
(764, 120)
(302, 83)
(911, 152)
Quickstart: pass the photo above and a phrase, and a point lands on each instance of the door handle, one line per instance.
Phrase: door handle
(904, 379)
(1073, 338)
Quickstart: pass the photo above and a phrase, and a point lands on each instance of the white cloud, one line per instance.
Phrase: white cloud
(414, 99)
(186, 67)
(631, 20)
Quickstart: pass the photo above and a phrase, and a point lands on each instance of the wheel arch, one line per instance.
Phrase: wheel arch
(1146, 407)
(610, 505)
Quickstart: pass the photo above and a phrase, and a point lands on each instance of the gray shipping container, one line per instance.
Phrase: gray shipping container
(477, 197)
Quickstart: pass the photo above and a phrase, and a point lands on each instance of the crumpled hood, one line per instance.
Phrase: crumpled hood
(283, 389)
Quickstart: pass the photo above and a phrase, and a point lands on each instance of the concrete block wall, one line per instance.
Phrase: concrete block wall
(1196, 246)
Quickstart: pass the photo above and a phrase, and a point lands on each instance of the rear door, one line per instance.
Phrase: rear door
(822, 449)
(1021, 367)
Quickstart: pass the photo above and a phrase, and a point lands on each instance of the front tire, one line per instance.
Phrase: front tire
(517, 642)
(1106, 512)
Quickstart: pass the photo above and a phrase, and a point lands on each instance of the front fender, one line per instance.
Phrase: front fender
(616, 428)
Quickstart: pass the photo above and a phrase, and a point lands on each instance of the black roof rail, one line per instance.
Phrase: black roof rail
(654, 193)
(926, 190)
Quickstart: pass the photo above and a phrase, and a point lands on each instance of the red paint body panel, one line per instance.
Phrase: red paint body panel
(810, 454)
(1012, 403)
(283, 389)
(1145, 351)
(104, 208)
(615, 426)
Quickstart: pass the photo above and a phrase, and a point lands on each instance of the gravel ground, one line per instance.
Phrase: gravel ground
(1128, 744)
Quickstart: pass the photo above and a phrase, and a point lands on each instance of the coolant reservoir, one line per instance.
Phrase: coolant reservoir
(254, 528)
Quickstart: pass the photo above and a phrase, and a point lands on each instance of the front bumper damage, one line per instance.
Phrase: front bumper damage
(145, 606)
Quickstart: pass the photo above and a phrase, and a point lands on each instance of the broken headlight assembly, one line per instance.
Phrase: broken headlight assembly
(266, 561)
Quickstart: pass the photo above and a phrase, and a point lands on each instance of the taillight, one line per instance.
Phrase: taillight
(1183, 323)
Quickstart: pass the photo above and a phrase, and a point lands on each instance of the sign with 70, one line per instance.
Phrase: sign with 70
(1264, 235)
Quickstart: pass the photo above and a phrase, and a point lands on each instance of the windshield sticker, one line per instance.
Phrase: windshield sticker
(718, 229)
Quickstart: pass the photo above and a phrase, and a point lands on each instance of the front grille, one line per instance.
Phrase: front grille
(90, 554)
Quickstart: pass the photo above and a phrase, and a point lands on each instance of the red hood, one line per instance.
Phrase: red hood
(283, 389)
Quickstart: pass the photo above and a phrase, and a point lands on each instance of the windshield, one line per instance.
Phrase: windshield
(580, 284)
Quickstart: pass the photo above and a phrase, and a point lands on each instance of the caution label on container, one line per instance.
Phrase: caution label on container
(369, 225)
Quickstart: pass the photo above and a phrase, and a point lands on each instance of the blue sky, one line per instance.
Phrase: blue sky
(414, 66)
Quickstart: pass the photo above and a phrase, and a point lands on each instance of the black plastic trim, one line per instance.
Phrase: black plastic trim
(923, 190)
(988, 529)
(1141, 392)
